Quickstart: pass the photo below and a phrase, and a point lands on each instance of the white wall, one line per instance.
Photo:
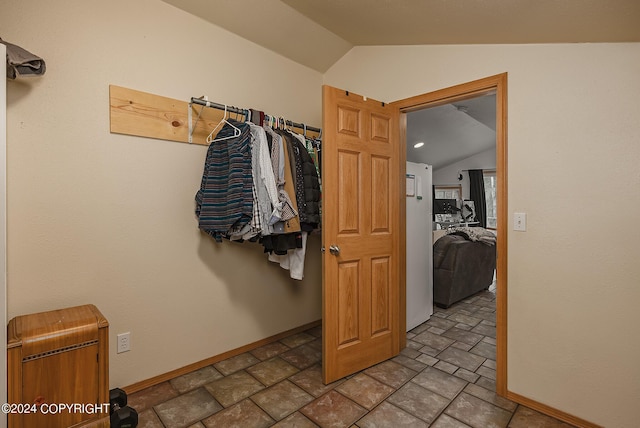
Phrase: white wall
(448, 175)
(573, 159)
(109, 219)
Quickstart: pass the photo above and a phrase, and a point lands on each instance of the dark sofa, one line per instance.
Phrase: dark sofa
(461, 268)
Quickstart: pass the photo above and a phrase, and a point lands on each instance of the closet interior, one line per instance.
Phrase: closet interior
(261, 179)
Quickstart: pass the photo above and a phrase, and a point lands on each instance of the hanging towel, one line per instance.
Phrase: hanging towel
(21, 62)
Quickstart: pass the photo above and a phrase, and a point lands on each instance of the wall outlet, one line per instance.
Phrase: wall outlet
(124, 342)
(520, 221)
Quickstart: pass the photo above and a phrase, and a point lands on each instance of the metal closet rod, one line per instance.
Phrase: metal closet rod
(236, 110)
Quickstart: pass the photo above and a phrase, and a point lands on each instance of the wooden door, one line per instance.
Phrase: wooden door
(360, 233)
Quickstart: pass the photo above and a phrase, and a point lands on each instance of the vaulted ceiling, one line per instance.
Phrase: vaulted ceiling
(317, 33)
(452, 132)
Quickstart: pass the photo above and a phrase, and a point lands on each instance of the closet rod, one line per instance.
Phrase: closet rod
(236, 110)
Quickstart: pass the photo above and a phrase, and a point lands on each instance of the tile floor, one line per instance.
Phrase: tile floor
(445, 377)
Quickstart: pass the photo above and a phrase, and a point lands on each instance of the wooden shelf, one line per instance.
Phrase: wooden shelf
(147, 115)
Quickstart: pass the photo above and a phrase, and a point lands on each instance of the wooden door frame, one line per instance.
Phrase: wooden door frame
(3, 236)
(497, 84)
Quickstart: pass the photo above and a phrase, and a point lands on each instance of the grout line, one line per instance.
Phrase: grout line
(395, 389)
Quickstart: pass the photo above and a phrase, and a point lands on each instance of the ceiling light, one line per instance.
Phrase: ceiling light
(418, 145)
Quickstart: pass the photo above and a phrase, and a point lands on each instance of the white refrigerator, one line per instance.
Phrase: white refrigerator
(419, 244)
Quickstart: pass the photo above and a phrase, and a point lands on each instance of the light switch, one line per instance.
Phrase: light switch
(520, 221)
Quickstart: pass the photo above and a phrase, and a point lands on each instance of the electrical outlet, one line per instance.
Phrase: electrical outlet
(520, 222)
(124, 342)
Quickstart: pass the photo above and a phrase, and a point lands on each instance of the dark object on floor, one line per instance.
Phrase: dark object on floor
(122, 416)
(461, 268)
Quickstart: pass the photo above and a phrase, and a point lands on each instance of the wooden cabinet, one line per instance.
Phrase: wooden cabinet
(58, 358)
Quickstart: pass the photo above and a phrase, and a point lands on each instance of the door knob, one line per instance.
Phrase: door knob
(334, 249)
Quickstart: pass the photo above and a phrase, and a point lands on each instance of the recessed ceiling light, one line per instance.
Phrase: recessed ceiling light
(418, 145)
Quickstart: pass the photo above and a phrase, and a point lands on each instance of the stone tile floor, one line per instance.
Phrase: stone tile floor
(445, 377)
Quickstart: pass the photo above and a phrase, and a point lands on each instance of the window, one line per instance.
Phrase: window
(490, 190)
(448, 192)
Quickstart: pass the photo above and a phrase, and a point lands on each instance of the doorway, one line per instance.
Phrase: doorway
(497, 84)
(443, 144)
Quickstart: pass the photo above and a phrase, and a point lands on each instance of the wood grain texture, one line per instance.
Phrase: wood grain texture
(56, 357)
(550, 411)
(69, 377)
(502, 228)
(360, 187)
(147, 115)
(58, 329)
(349, 198)
(402, 252)
(348, 296)
(381, 203)
(381, 282)
(103, 361)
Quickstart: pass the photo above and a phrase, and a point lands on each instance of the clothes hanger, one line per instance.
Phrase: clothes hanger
(236, 130)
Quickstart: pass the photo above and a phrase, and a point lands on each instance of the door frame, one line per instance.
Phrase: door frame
(497, 83)
(3, 236)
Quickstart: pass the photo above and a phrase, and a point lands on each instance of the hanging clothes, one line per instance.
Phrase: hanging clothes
(261, 185)
(294, 166)
(266, 201)
(310, 209)
(313, 148)
(285, 209)
(293, 260)
(307, 191)
(293, 224)
(286, 235)
(225, 199)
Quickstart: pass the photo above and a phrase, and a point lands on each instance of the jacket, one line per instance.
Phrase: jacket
(311, 204)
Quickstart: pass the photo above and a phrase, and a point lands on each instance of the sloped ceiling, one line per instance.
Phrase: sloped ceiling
(317, 33)
(452, 132)
(274, 25)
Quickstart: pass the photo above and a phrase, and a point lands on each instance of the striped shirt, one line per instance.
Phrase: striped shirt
(225, 199)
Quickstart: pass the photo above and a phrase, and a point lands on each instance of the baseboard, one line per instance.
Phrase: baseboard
(550, 411)
(139, 386)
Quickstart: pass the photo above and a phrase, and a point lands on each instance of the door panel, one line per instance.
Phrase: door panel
(380, 284)
(348, 274)
(380, 202)
(348, 173)
(360, 230)
(379, 128)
